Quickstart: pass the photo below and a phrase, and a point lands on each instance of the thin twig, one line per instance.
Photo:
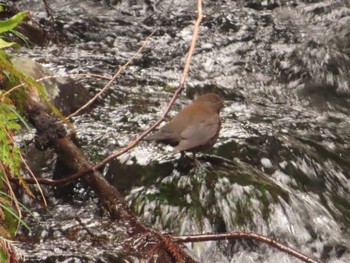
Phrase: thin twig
(113, 78)
(193, 43)
(34, 178)
(133, 143)
(243, 235)
(7, 180)
(12, 194)
(47, 8)
(56, 182)
(84, 227)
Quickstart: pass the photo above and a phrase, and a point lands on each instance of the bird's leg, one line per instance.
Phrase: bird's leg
(195, 160)
(197, 163)
(182, 154)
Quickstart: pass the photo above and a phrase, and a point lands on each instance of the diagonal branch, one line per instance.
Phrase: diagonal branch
(111, 80)
(243, 235)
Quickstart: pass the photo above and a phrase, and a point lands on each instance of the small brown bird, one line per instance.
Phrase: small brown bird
(195, 128)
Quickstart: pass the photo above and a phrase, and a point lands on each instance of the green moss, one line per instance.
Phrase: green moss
(3, 255)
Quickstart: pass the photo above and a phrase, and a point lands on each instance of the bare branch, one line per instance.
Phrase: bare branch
(47, 8)
(243, 235)
(114, 77)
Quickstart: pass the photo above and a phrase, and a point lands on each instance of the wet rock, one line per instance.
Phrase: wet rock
(64, 93)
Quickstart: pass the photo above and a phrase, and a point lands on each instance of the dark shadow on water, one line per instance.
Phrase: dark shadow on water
(199, 192)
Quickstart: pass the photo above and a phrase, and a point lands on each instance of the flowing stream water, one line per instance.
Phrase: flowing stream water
(281, 166)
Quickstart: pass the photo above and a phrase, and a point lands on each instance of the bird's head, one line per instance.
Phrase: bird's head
(212, 100)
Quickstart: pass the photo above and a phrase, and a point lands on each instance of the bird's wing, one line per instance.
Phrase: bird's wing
(199, 134)
(163, 137)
